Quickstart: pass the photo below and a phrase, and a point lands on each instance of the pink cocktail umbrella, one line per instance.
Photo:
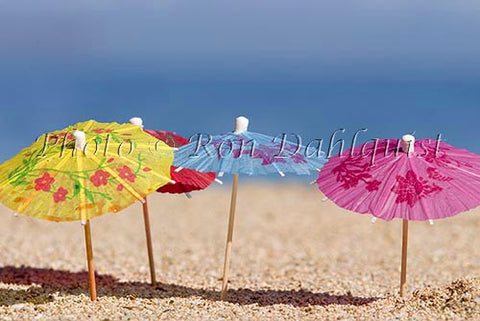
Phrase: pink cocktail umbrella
(412, 181)
(184, 182)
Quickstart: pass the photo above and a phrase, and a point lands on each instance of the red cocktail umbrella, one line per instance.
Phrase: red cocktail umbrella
(182, 182)
(187, 180)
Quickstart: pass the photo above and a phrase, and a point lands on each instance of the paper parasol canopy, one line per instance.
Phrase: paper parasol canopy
(405, 179)
(84, 171)
(435, 181)
(187, 180)
(245, 152)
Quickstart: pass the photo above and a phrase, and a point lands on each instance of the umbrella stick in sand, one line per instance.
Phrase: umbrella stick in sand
(148, 235)
(90, 265)
(86, 184)
(241, 125)
(264, 156)
(403, 275)
(408, 142)
(188, 181)
(228, 247)
(80, 141)
(146, 218)
(411, 181)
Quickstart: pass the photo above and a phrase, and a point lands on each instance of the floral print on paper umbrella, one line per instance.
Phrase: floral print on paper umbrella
(44, 182)
(351, 172)
(411, 188)
(100, 178)
(240, 147)
(48, 180)
(60, 195)
(388, 183)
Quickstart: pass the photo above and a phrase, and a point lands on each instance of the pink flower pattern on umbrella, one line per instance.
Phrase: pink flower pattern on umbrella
(268, 154)
(100, 178)
(44, 183)
(411, 189)
(60, 195)
(428, 174)
(373, 185)
(350, 172)
(125, 172)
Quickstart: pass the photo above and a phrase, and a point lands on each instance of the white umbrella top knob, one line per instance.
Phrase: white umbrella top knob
(137, 121)
(241, 125)
(80, 139)
(408, 143)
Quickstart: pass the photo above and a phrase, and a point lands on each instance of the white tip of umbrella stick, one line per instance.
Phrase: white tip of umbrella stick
(83, 223)
(324, 199)
(178, 169)
(172, 182)
(317, 169)
(281, 173)
(431, 222)
(374, 219)
(137, 121)
(241, 125)
(80, 139)
(408, 143)
(15, 214)
(175, 149)
(218, 181)
(313, 182)
(220, 174)
(188, 195)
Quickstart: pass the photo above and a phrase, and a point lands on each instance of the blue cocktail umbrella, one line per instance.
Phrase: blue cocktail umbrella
(244, 152)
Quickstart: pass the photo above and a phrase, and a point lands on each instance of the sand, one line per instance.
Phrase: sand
(294, 258)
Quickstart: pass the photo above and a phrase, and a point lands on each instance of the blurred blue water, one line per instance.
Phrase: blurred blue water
(36, 101)
(307, 67)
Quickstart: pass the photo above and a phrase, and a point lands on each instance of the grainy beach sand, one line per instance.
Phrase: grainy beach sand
(294, 258)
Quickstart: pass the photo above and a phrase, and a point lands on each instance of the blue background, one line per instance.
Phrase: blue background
(308, 67)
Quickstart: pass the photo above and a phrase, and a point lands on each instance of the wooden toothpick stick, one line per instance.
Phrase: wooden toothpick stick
(91, 267)
(403, 276)
(231, 221)
(148, 234)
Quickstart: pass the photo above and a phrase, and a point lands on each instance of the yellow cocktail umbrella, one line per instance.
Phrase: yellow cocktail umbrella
(84, 171)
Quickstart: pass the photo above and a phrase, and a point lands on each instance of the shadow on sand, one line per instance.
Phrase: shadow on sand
(44, 282)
